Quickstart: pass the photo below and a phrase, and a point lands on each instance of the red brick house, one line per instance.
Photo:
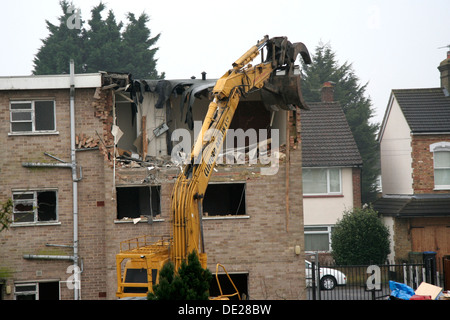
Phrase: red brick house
(415, 167)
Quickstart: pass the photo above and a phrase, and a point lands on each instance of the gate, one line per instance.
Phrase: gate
(362, 282)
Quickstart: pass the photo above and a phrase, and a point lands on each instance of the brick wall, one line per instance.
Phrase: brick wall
(402, 243)
(356, 183)
(20, 240)
(422, 162)
(262, 244)
(423, 183)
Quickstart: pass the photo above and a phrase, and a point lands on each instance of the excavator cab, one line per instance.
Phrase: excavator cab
(142, 258)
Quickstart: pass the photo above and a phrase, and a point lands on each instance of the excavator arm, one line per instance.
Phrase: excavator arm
(280, 91)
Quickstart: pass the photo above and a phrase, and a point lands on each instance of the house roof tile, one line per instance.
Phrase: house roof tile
(326, 137)
(426, 110)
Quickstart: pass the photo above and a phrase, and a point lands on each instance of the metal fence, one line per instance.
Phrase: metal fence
(364, 282)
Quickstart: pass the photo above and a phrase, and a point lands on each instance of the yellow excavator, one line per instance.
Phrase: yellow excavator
(275, 76)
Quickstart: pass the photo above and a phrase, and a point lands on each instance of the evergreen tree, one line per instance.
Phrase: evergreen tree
(191, 282)
(356, 106)
(138, 53)
(106, 45)
(103, 42)
(360, 237)
(62, 44)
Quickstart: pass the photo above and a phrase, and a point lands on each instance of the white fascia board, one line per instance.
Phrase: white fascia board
(87, 80)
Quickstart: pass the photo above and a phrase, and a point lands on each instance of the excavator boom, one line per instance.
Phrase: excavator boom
(282, 91)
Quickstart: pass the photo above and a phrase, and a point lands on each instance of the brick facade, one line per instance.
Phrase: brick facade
(422, 162)
(261, 244)
(356, 183)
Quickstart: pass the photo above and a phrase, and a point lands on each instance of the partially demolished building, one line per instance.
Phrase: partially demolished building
(90, 160)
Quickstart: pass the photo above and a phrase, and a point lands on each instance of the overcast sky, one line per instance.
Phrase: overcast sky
(391, 44)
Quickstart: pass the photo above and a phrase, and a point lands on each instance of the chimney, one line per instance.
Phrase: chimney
(444, 69)
(328, 92)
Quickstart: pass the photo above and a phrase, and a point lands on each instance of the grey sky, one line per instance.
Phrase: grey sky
(391, 44)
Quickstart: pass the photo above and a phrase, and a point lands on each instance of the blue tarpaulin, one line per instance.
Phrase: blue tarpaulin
(400, 290)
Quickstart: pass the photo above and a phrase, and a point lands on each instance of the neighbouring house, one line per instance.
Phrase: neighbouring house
(87, 161)
(331, 169)
(415, 167)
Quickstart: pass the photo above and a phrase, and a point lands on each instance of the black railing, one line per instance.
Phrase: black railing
(362, 282)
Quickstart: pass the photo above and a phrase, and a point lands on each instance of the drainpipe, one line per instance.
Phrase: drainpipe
(74, 182)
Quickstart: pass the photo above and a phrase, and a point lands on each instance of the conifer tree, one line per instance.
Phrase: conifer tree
(191, 282)
(101, 44)
(357, 108)
(61, 45)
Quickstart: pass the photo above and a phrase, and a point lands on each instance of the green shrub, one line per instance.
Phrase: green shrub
(360, 237)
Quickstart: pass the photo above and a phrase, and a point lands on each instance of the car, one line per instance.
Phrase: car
(329, 278)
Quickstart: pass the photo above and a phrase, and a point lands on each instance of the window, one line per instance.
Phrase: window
(222, 199)
(34, 206)
(37, 291)
(317, 238)
(321, 181)
(32, 116)
(441, 155)
(133, 202)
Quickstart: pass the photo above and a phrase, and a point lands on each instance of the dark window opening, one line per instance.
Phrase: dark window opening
(240, 280)
(44, 115)
(46, 205)
(37, 291)
(49, 291)
(224, 199)
(133, 202)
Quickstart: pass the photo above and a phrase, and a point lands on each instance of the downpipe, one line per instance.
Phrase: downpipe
(75, 180)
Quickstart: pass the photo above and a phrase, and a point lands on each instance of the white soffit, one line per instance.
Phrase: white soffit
(87, 80)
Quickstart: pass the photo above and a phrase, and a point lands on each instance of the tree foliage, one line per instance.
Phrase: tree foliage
(104, 45)
(191, 282)
(360, 237)
(357, 108)
(5, 214)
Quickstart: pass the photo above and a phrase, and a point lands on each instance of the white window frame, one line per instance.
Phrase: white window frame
(328, 192)
(34, 292)
(327, 229)
(442, 146)
(34, 201)
(32, 119)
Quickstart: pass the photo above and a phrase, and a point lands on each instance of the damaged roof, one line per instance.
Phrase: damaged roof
(410, 206)
(326, 137)
(425, 110)
(190, 90)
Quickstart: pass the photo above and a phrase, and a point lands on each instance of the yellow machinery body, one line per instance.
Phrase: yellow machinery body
(280, 87)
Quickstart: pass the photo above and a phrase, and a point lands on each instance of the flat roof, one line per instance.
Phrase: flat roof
(59, 81)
